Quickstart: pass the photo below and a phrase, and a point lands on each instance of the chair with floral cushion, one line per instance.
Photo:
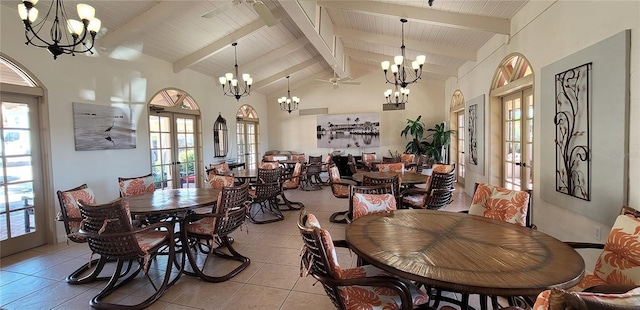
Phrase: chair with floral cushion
(557, 299)
(220, 168)
(437, 192)
(289, 182)
(269, 165)
(409, 160)
(507, 205)
(368, 199)
(340, 189)
(70, 216)
(110, 234)
(263, 196)
(363, 287)
(368, 160)
(391, 167)
(618, 266)
(298, 157)
(207, 235)
(395, 181)
(136, 185)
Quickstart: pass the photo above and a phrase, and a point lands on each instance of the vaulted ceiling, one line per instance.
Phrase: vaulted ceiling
(308, 40)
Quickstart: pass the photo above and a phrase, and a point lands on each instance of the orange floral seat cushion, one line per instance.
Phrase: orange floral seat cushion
(619, 262)
(363, 297)
(500, 203)
(294, 181)
(70, 204)
(440, 168)
(364, 204)
(339, 190)
(150, 239)
(206, 225)
(221, 168)
(219, 181)
(548, 299)
(414, 201)
(407, 158)
(137, 186)
(268, 165)
(298, 157)
(367, 158)
(395, 167)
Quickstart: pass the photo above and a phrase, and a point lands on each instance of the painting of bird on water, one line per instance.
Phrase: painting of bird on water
(103, 127)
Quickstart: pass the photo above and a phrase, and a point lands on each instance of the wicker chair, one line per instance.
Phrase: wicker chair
(288, 182)
(394, 180)
(264, 197)
(207, 234)
(347, 288)
(110, 234)
(437, 193)
(69, 215)
(340, 189)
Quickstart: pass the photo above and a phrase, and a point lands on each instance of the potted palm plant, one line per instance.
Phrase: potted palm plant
(432, 145)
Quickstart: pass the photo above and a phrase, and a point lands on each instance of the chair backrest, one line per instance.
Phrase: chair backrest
(617, 266)
(298, 157)
(319, 256)
(421, 163)
(220, 168)
(338, 190)
(390, 160)
(365, 200)
(408, 158)
(136, 185)
(391, 167)
(269, 175)
(294, 180)
(269, 165)
(351, 163)
(500, 203)
(368, 157)
(108, 230)
(231, 209)
(315, 159)
(394, 181)
(70, 212)
(218, 181)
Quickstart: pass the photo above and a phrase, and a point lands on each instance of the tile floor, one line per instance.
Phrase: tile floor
(35, 279)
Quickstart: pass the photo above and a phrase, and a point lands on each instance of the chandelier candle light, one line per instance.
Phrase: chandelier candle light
(401, 76)
(233, 89)
(77, 29)
(288, 103)
(398, 97)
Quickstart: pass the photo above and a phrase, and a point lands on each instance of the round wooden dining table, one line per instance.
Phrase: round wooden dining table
(465, 253)
(171, 200)
(407, 178)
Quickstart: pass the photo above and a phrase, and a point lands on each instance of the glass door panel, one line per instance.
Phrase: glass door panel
(518, 148)
(461, 142)
(248, 147)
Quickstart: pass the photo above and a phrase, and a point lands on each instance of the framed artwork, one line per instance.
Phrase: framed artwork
(103, 127)
(348, 130)
(475, 136)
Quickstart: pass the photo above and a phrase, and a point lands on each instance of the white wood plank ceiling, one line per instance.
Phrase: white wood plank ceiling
(301, 45)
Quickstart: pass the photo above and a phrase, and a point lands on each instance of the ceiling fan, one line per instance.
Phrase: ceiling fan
(337, 81)
(261, 9)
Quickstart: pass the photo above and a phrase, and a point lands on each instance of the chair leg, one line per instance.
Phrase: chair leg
(96, 266)
(265, 206)
(289, 203)
(339, 217)
(199, 271)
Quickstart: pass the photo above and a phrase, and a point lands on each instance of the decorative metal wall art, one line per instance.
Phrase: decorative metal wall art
(572, 121)
(473, 134)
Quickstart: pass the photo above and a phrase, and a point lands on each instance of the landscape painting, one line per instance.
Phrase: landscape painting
(348, 130)
(103, 127)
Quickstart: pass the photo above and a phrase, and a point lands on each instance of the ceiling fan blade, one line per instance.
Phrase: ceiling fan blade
(264, 13)
(323, 81)
(221, 9)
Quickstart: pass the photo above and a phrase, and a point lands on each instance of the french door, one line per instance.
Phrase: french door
(248, 147)
(174, 146)
(461, 142)
(518, 140)
(22, 213)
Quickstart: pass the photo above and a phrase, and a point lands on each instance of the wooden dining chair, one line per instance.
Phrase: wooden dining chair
(362, 287)
(207, 235)
(110, 234)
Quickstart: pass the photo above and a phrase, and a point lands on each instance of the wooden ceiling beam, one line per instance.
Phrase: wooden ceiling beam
(283, 74)
(358, 54)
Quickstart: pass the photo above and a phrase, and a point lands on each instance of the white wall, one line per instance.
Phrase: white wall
(104, 78)
(298, 133)
(544, 32)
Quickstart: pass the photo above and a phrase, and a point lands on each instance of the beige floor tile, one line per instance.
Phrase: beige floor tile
(306, 301)
(209, 295)
(309, 284)
(277, 276)
(258, 297)
(289, 257)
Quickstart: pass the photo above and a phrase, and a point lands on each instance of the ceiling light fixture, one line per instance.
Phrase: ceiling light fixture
(288, 103)
(401, 76)
(397, 97)
(235, 90)
(77, 29)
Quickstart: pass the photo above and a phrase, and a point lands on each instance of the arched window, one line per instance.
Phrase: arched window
(247, 131)
(175, 139)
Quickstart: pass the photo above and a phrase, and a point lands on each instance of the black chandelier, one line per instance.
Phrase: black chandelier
(288, 103)
(233, 89)
(397, 97)
(402, 76)
(77, 29)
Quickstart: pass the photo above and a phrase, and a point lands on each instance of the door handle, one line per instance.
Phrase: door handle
(521, 164)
